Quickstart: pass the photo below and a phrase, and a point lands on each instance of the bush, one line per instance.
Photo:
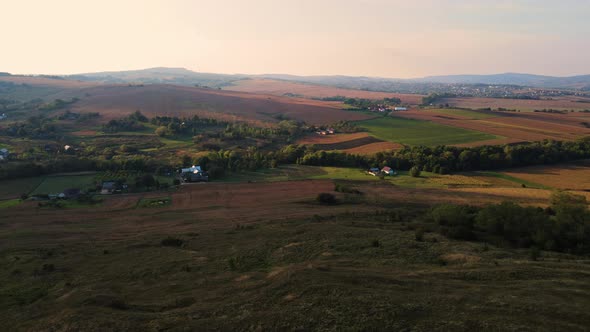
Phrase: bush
(415, 171)
(172, 242)
(456, 220)
(326, 198)
(419, 234)
(342, 188)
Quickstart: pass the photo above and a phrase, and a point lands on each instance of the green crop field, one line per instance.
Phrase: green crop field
(15, 188)
(301, 172)
(472, 115)
(417, 132)
(56, 184)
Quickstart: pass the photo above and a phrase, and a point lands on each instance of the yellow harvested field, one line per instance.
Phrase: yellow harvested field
(572, 176)
(458, 181)
(374, 148)
(330, 139)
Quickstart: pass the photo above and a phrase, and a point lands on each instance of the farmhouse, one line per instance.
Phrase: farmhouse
(194, 174)
(109, 187)
(388, 171)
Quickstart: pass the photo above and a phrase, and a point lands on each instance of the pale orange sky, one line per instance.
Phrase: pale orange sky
(386, 38)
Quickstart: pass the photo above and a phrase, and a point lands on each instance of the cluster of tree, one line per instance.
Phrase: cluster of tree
(79, 117)
(444, 159)
(551, 111)
(36, 127)
(364, 104)
(68, 163)
(57, 104)
(133, 122)
(339, 127)
(172, 126)
(432, 98)
(565, 226)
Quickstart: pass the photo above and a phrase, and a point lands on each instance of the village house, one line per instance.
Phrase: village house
(4, 154)
(388, 171)
(400, 108)
(109, 187)
(71, 193)
(194, 174)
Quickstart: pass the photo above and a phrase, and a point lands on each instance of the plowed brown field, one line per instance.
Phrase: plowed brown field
(116, 100)
(280, 88)
(515, 127)
(357, 143)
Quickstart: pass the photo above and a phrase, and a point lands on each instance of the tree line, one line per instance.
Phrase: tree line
(564, 226)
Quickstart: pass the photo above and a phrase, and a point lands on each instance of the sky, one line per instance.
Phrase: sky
(381, 38)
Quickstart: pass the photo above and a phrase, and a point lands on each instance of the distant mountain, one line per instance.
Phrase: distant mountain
(159, 75)
(572, 82)
(182, 76)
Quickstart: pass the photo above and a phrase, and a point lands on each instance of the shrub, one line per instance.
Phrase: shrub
(415, 171)
(326, 198)
(535, 253)
(376, 243)
(172, 242)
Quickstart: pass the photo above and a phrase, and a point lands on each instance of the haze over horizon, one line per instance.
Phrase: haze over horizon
(376, 38)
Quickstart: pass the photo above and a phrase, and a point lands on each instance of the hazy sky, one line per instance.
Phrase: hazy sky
(387, 38)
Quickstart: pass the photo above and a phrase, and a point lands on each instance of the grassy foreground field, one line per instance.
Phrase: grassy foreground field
(416, 132)
(214, 261)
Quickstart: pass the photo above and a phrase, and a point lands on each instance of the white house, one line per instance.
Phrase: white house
(194, 169)
(400, 109)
